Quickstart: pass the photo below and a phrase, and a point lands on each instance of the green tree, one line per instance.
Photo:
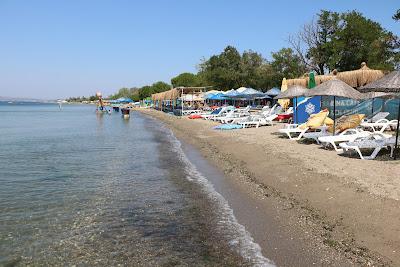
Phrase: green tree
(397, 15)
(148, 90)
(93, 98)
(343, 41)
(223, 70)
(249, 71)
(145, 91)
(230, 69)
(361, 39)
(286, 64)
(313, 44)
(160, 87)
(186, 79)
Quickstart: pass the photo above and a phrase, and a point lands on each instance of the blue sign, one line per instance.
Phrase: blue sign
(305, 107)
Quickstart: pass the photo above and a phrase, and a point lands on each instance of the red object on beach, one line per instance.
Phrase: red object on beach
(195, 116)
(284, 117)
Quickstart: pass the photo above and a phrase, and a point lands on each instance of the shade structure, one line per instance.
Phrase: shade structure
(251, 91)
(284, 102)
(335, 87)
(192, 97)
(124, 100)
(292, 92)
(231, 93)
(370, 95)
(208, 95)
(219, 96)
(388, 84)
(273, 91)
(241, 89)
(263, 96)
(249, 94)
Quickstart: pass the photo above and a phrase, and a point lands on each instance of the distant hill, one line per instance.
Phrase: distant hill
(6, 98)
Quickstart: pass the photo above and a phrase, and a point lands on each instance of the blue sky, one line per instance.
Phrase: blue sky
(55, 49)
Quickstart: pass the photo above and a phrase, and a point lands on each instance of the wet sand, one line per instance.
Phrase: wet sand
(310, 206)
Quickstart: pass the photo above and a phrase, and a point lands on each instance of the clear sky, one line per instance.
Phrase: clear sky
(55, 49)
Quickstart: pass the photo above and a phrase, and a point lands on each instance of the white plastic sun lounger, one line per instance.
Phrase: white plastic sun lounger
(237, 113)
(375, 141)
(222, 111)
(229, 114)
(193, 111)
(257, 121)
(377, 116)
(348, 135)
(293, 131)
(380, 125)
(317, 134)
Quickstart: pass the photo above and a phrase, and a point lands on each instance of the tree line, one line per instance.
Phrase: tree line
(330, 41)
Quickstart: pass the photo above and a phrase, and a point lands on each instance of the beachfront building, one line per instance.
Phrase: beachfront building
(180, 98)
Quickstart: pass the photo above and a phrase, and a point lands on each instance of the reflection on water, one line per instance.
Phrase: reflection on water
(77, 188)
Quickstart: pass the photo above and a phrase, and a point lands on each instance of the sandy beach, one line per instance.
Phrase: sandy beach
(343, 209)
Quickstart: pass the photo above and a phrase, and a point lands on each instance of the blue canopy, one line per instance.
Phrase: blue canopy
(219, 96)
(262, 96)
(250, 91)
(251, 94)
(208, 95)
(232, 93)
(273, 91)
(124, 100)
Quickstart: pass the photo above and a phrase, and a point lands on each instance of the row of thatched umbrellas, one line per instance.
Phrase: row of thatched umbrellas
(387, 86)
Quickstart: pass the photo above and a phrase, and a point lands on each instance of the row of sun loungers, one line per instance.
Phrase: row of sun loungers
(355, 139)
(364, 133)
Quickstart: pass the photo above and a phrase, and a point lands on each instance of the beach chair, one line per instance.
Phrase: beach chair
(348, 135)
(297, 132)
(377, 116)
(257, 121)
(380, 125)
(217, 113)
(230, 116)
(375, 141)
(315, 135)
(346, 125)
(314, 124)
(192, 111)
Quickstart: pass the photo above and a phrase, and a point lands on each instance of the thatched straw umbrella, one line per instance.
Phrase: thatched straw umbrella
(388, 84)
(293, 92)
(354, 78)
(334, 87)
(284, 102)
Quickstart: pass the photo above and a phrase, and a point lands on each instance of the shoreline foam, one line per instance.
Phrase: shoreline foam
(340, 213)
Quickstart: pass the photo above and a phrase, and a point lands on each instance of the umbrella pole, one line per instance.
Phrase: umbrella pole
(296, 112)
(334, 115)
(397, 131)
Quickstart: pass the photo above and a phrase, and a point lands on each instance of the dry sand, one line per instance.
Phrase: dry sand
(332, 202)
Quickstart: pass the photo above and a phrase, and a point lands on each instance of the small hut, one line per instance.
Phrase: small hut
(168, 100)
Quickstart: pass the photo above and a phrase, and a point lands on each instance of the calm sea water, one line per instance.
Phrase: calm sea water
(78, 188)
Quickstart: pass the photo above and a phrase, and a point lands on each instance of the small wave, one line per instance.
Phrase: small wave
(239, 238)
